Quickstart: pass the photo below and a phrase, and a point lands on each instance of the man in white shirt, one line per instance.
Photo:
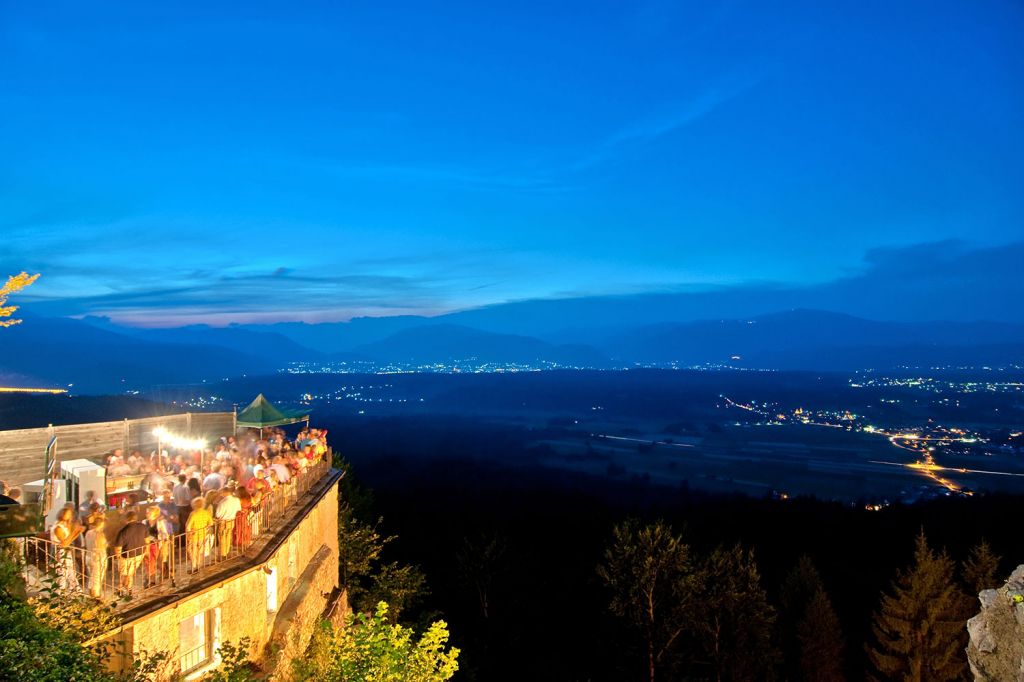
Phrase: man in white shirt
(182, 497)
(227, 507)
(283, 475)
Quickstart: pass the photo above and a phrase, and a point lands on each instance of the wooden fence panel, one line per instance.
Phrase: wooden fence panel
(23, 455)
(23, 451)
(213, 424)
(88, 441)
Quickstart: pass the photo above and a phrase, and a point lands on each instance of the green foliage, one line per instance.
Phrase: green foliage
(54, 636)
(981, 569)
(147, 667)
(920, 630)
(234, 664)
(32, 650)
(399, 586)
(82, 617)
(359, 548)
(371, 649)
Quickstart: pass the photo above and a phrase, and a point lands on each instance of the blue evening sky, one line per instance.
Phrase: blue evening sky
(175, 162)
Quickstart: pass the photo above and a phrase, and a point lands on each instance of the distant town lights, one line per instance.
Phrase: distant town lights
(178, 442)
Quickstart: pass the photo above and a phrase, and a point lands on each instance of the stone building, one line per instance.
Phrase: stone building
(271, 596)
(266, 585)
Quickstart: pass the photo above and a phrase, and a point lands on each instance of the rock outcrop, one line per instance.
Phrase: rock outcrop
(996, 648)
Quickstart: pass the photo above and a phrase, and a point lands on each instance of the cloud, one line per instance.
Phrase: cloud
(168, 294)
(649, 129)
(558, 174)
(946, 280)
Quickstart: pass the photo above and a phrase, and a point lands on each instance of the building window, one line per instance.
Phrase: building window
(195, 640)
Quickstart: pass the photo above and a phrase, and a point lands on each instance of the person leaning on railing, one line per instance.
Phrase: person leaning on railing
(96, 555)
(243, 524)
(63, 534)
(130, 546)
(157, 553)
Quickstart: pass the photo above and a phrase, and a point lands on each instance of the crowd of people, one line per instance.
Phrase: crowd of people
(191, 509)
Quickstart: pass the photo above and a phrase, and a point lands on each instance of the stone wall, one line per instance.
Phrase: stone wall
(299, 614)
(996, 648)
(305, 569)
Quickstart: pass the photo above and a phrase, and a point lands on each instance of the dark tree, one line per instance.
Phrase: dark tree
(812, 640)
(920, 630)
(733, 618)
(650, 574)
(480, 562)
(981, 569)
(801, 584)
(820, 641)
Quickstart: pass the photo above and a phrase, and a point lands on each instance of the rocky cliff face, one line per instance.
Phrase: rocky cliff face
(996, 649)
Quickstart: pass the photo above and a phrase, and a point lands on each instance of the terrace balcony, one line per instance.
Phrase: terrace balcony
(134, 582)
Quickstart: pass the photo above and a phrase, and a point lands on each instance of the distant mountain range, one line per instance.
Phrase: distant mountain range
(98, 356)
(65, 352)
(451, 342)
(810, 339)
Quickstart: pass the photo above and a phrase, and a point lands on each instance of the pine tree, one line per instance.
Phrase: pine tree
(798, 588)
(821, 641)
(981, 568)
(920, 630)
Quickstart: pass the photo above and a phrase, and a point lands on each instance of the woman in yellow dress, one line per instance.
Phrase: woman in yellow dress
(198, 528)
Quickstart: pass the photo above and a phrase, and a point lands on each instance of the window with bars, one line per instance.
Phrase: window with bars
(195, 640)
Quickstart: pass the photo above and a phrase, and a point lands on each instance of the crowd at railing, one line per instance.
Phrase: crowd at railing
(201, 516)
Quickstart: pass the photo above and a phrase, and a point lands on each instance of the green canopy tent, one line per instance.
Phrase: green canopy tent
(261, 413)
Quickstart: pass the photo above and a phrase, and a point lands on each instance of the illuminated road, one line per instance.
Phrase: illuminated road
(911, 442)
(641, 440)
(935, 467)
